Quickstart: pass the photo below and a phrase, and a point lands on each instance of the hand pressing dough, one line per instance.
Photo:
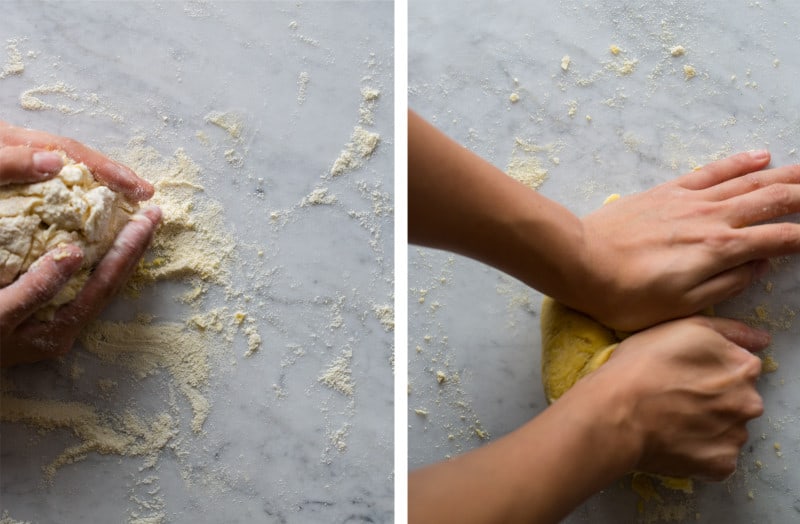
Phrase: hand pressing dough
(574, 345)
(71, 208)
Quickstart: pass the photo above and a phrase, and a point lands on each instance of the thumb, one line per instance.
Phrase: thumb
(38, 285)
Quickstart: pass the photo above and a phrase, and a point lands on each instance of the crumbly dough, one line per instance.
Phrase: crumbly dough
(71, 208)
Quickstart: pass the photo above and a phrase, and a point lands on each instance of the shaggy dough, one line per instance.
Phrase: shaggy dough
(71, 208)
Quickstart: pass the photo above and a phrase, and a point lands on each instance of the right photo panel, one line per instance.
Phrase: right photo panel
(603, 279)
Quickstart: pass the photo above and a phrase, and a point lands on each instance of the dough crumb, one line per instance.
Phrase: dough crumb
(573, 108)
(678, 50)
(513, 98)
(769, 364)
(565, 61)
(614, 49)
(689, 72)
(441, 378)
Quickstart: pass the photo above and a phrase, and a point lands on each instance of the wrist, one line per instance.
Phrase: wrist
(602, 407)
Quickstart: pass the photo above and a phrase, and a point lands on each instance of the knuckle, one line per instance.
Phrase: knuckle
(753, 180)
(724, 466)
(787, 234)
(752, 367)
(755, 408)
(69, 143)
(740, 436)
(779, 194)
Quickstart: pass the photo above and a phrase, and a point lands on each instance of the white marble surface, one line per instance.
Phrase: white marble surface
(278, 445)
(465, 59)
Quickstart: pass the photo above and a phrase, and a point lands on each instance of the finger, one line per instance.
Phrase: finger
(755, 180)
(35, 341)
(726, 284)
(20, 164)
(767, 203)
(740, 333)
(114, 269)
(725, 169)
(43, 280)
(766, 241)
(116, 176)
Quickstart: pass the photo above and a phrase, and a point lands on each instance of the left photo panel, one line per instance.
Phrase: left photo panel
(196, 262)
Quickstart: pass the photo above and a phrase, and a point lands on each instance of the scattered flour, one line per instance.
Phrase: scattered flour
(318, 197)
(302, 86)
(385, 314)
(14, 65)
(361, 146)
(232, 123)
(105, 433)
(338, 376)
(362, 142)
(525, 165)
(31, 100)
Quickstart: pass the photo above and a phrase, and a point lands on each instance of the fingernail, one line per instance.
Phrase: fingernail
(47, 162)
(764, 337)
(759, 154)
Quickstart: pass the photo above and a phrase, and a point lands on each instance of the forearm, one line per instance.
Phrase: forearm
(537, 474)
(460, 202)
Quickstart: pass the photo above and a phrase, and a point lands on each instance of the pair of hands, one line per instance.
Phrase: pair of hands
(674, 398)
(671, 251)
(26, 156)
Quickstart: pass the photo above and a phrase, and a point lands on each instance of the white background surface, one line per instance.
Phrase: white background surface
(465, 59)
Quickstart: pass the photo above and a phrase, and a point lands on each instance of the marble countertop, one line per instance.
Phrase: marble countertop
(287, 84)
(606, 124)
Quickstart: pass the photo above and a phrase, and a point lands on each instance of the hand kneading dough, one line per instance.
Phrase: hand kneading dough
(71, 208)
(574, 345)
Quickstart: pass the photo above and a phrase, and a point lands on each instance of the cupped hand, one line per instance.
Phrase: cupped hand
(687, 244)
(684, 391)
(24, 158)
(23, 338)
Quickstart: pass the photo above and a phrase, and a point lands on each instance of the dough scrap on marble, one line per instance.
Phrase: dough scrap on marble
(71, 208)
